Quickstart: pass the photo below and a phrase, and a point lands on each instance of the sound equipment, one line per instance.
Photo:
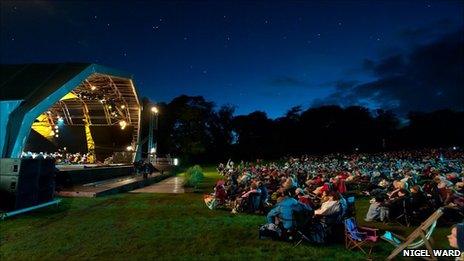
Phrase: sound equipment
(26, 182)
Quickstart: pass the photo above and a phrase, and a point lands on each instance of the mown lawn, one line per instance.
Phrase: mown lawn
(161, 227)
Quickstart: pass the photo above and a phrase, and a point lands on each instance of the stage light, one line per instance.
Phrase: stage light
(123, 124)
(123, 106)
(152, 150)
(93, 88)
(455, 148)
(176, 162)
(154, 109)
(56, 131)
(56, 127)
(129, 148)
(56, 135)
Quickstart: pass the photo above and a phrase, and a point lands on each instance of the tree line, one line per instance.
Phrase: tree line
(193, 129)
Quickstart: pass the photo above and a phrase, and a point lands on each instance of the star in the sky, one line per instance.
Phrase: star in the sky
(185, 38)
(266, 21)
(205, 72)
(339, 23)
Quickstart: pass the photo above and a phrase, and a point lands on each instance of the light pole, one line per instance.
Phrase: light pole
(153, 124)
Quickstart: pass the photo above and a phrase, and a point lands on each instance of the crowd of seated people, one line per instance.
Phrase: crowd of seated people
(403, 185)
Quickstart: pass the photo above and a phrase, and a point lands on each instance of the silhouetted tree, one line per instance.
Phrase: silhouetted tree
(191, 128)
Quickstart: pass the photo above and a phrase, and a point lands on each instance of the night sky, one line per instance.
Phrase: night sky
(256, 55)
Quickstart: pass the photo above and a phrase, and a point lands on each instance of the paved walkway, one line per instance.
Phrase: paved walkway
(170, 185)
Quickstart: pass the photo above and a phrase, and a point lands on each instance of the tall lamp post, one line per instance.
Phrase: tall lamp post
(153, 124)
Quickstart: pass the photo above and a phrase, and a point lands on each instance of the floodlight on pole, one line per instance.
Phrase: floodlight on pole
(153, 119)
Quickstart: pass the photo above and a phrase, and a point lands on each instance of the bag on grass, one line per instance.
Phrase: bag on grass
(210, 201)
(270, 231)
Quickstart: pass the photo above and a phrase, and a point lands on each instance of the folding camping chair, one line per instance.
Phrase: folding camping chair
(302, 220)
(359, 237)
(424, 232)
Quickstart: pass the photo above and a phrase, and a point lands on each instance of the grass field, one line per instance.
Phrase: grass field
(162, 227)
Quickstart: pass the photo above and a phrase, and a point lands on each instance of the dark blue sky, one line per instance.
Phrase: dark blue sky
(257, 55)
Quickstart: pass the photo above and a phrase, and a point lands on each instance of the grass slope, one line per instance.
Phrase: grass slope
(158, 226)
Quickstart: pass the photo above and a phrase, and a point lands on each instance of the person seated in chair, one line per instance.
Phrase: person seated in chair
(264, 194)
(303, 198)
(220, 192)
(375, 211)
(327, 218)
(418, 198)
(330, 204)
(245, 196)
(419, 207)
(282, 213)
(399, 190)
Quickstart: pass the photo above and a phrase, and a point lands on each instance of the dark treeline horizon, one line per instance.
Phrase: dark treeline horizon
(194, 130)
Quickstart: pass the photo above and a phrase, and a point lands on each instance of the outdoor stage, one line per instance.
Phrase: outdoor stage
(92, 180)
(72, 175)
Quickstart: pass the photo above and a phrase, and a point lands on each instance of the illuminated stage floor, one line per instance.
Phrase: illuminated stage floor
(67, 167)
(111, 186)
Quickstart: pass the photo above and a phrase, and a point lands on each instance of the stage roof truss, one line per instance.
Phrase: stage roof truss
(101, 100)
(65, 94)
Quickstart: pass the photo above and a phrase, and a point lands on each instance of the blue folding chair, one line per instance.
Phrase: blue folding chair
(359, 237)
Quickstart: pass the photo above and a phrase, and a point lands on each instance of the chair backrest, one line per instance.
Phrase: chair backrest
(254, 199)
(302, 218)
(350, 200)
(350, 212)
(351, 228)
